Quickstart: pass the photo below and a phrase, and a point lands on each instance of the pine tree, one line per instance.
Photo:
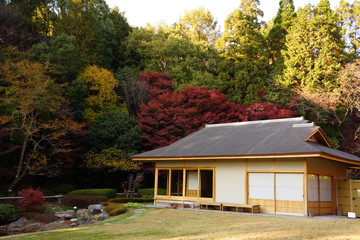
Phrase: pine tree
(349, 20)
(277, 34)
(243, 45)
(315, 49)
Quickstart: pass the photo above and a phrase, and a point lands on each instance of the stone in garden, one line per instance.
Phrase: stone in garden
(3, 230)
(103, 216)
(17, 226)
(95, 208)
(96, 211)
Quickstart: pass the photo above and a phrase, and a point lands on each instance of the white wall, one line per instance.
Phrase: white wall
(230, 181)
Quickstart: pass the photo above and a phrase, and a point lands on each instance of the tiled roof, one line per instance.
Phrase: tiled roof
(266, 137)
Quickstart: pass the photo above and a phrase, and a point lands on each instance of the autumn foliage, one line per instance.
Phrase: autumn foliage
(173, 115)
(32, 200)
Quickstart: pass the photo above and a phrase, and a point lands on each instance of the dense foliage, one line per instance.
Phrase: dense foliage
(106, 192)
(81, 90)
(8, 213)
(32, 200)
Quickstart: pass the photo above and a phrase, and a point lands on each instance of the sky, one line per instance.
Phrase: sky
(141, 12)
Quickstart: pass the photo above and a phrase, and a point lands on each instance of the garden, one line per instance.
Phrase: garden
(34, 212)
(175, 224)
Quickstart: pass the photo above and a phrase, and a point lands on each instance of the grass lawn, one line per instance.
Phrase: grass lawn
(186, 224)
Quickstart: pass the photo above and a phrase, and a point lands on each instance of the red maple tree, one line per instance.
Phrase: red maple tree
(171, 115)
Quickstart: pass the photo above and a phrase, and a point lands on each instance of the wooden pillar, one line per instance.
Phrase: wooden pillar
(156, 181)
(184, 183)
(306, 212)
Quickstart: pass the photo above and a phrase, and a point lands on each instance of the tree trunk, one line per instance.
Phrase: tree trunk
(19, 175)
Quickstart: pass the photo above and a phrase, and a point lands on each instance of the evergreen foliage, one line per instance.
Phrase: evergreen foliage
(242, 46)
(312, 60)
(82, 89)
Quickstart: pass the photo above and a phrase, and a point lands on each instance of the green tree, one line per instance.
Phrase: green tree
(39, 14)
(64, 57)
(199, 25)
(117, 130)
(349, 19)
(315, 49)
(164, 49)
(114, 137)
(242, 46)
(98, 31)
(36, 113)
(277, 34)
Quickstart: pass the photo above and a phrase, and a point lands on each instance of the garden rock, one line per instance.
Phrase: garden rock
(95, 208)
(103, 216)
(32, 227)
(3, 230)
(17, 226)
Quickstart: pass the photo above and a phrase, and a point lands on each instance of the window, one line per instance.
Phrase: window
(177, 182)
(319, 186)
(206, 183)
(261, 185)
(192, 183)
(162, 187)
(198, 183)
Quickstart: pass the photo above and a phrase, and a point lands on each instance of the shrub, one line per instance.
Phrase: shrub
(113, 209)
(8, 213)
(32, 201)
(133, 205)
(126, 200)
(149, 192)
(83, 201)
(107, 192)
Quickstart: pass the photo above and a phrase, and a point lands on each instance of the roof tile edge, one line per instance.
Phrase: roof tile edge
(255, 122)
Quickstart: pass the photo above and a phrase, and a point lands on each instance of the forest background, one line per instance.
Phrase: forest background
(81, 90)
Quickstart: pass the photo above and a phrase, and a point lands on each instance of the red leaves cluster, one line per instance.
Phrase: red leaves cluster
(32, 200)
(156, 83)
(172, 115)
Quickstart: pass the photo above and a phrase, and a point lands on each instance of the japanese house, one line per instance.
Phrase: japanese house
(286, 166)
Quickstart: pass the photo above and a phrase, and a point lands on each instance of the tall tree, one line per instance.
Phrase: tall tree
(15, 30)
(97, 30)
(277, 34)
(35, 112)
(315, 49)
(349, 19)
(199, 25)
(164, 49)
(243, 45)
(63, 55)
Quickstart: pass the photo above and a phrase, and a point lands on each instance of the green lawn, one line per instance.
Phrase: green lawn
(186, 224)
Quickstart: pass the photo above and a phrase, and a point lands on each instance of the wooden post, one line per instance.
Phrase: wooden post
(156, 181)
(351, 196)
(305, 188)
(184, 183)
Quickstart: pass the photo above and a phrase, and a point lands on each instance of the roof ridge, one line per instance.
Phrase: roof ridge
(256, 122)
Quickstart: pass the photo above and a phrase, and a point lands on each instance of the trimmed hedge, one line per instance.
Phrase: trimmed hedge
(126, 200)
(149, 192)
(82, 201)
(113, 209)
(107, 192)
(8, 213)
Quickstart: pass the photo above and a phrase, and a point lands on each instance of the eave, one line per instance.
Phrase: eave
(286, 155)
(322, 135)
